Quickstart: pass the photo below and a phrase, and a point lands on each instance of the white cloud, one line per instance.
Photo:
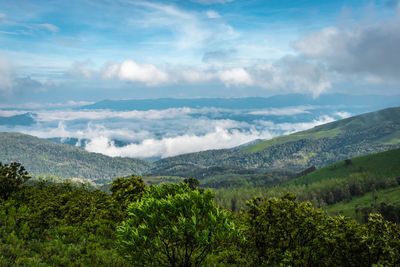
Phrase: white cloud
(81, 69)
(131, 71)
(172, 146)
(195, 76)
(369, 48)
(283, 111)
(235, 76)
(6, 80)
(289, 128)
(69, 115)
(343, 114)
(212, 14)
(160, 133)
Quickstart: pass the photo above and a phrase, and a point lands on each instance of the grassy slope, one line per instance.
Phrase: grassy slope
(384, 164)
(290, 138)
(40, 156)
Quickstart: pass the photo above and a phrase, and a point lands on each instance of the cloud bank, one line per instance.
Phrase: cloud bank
(169, 132)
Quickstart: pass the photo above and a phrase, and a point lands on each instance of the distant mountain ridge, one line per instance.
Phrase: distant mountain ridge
(377, 101)
(21, 119)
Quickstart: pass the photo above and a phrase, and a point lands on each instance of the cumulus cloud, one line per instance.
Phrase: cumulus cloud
(291, 74)
(152, 75)
(368, 48)
(11, 84)
(343, 114)
(235, 76)
(172, 146)
(131, 71)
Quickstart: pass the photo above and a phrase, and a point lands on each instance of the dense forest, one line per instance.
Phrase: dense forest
(176, 224)
(44, 157)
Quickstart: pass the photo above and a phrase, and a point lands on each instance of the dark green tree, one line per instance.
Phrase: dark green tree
(282, 231)
(127, 190)
(11, 178)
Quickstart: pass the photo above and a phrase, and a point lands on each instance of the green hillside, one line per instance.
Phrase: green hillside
(384, 164)
(336, 184)
(386, 118)
(40, 156)
(389, 196)
(320, 146)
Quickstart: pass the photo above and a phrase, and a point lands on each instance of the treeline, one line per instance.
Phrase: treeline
(319, 193)
(176, 225)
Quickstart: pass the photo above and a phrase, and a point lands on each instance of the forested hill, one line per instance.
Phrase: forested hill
(42, 156)
(322, 145)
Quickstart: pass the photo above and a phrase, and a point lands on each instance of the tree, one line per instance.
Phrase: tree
(173, 225)
(11, 178)
(282, 231)
(127, 190)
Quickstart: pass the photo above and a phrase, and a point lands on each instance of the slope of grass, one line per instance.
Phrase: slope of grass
(384, 164)
(290, 138)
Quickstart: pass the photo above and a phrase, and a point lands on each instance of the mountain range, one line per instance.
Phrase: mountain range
(322, 145)
(277, 101)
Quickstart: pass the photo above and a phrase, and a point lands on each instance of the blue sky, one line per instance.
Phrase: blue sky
(88, 50)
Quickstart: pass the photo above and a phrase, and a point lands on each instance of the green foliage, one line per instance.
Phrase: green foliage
(11, 178)
(284, 232)
(173, 225)
(59, 225)
(359, 207)
(127, 190)
(339, 182)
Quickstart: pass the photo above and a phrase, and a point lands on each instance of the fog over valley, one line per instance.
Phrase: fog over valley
(159, 133)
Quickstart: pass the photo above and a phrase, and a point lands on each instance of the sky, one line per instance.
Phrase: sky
(80, 51)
